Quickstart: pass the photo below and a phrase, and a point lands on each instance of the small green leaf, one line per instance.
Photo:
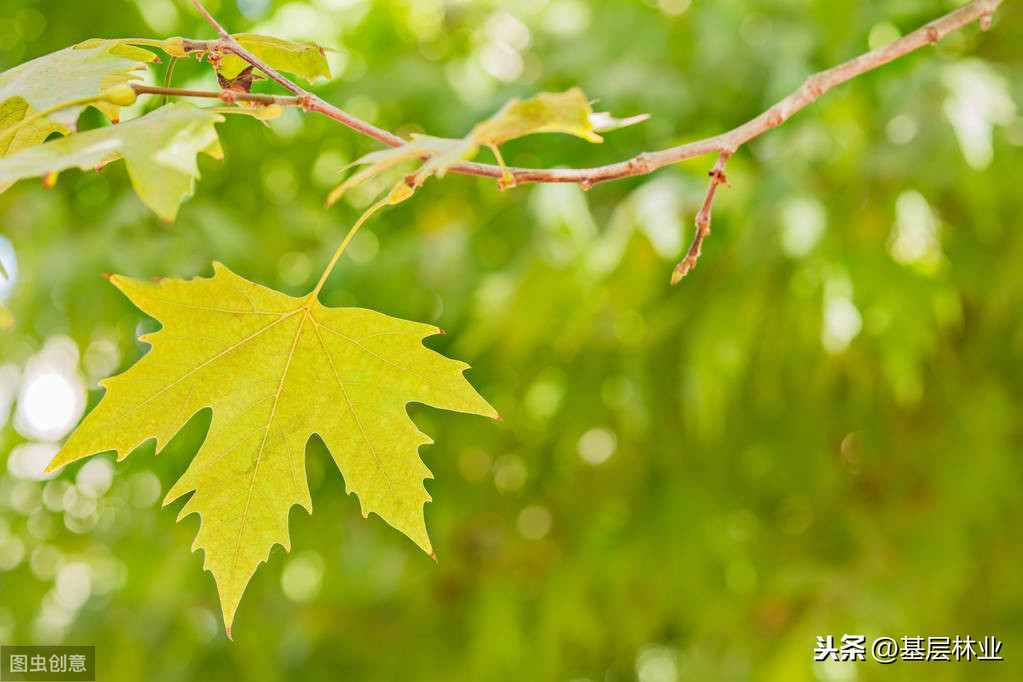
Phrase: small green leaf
(159, 148)
(306, 60)
(441, 153)
(549, 112)
(562, 112)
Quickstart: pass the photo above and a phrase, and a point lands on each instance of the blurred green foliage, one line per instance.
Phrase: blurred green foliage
(818, 432)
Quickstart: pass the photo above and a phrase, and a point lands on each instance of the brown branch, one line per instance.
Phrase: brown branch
(227, 96)
(647, 162)
(725, 143)
(717, 177)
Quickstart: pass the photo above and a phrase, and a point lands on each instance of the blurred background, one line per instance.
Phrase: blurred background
(818, 432)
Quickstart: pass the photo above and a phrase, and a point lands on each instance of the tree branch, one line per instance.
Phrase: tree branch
(725, 143)
(717, 177)
(227, 96)
(647, 162)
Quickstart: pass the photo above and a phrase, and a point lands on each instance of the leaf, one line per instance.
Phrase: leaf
(441, 153)
(274, 370)
(242, 82)
(175, 47)
(306, 60)
(603, 121)
(561, 112)
(64, 76)
(159, 149)
(549, 112)
(12, 112)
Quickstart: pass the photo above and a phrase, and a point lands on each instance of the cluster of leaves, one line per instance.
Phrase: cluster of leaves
(45, 96)
(273, 369)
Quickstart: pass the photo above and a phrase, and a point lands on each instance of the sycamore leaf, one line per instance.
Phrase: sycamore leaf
(441, 153)
(306, 60)
(12, 112)
(70, 74)
(159, 148)
(549, 112)
(274, 370)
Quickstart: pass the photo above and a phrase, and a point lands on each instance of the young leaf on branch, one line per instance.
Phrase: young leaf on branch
(548, 112)
(305, 60)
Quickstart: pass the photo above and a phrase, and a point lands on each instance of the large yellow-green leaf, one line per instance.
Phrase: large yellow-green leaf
(275, 370)
(306, 60)
(159, 149)
(67, 75)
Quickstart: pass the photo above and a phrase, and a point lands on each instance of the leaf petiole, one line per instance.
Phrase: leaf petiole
(401, 192)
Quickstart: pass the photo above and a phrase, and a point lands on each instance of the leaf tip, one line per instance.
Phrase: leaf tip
(108, 276)
(441, 331)
(49, 180)
(433, 555)
(228, 628)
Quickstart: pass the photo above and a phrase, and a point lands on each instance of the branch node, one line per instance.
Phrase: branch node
(228, 97)
(774, 118)
(719, 177)
(643, 162)
(816, 85)
(585, 184)
(933, 35)
(985, 21)
(305, 100)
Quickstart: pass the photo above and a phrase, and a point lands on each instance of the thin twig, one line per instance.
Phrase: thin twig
(717, 177)
(228, 96)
